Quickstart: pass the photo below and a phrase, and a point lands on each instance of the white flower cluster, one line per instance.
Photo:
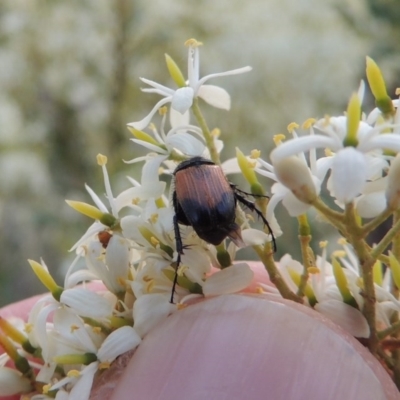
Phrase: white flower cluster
(131, 247)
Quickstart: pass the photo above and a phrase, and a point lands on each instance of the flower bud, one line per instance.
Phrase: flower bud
(295, 175)
(378, 87)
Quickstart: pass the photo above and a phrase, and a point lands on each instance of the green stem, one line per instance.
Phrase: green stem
(373, 224)
(392, 235)
(367, 262)
(394, 328)
(395, 291)
(306, 252)
(206, 132)
(332, 216)
(266, 257)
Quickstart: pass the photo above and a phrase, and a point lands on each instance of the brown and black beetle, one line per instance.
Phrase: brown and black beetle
(204, 199)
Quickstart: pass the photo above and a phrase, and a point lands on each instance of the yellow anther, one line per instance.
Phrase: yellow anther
(101, 159)
(279, 138)
(163, 110)
(292, 126)
(313, 270)
(323, 244)
(308, 123)
(255, 153)
(193, 43)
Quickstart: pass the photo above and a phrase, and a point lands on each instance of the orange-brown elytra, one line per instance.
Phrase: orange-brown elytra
(205, 200)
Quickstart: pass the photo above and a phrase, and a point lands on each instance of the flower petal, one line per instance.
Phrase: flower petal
(182, 99)
(345, 316)
(178, 119)
(186, 143)
(215, 96)
(370, 205)
(143, 123)
(229, 280)
(149, 310)
(236, 71)
(298, 145)
(86, 303)
(12, 382)
(349, 174)
(118, 342)
(254, 237)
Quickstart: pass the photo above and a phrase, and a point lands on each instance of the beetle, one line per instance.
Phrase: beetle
(204, 199)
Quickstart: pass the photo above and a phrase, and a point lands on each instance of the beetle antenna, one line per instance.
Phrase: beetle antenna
(251, 206)
(242, 192)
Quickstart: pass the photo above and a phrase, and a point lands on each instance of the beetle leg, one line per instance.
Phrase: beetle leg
(251, 206)
(179, 249)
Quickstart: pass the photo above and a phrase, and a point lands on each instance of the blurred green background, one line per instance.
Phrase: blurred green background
(69, 83)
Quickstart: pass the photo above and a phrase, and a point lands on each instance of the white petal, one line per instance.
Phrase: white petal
(64, 321)
(383, 142)
(215, 96)
(40, 329)
(12, 382)
(96, 199)
(96, 227)
(77, 277)
(254, 237)
(46, 372)
(178, 119)
(149, 310)
(231, 166)
(117, 343)
(293, 173)
(370, 205)
(161, 89)
(117, 260)
(86, 303)
(153, 190)
(143, 123)
(226, 73)
(294, 206)
(186, 143)
(298, 145)
(153, 147)
(345, 316)
(82, 388)
(323, 165)
(182, 99)
(349, 174)
(229, 280)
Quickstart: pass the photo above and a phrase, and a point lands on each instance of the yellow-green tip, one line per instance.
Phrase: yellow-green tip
(174, 71)
(246, 167)
(395, 268)
(308, 291)
(85, 209)
(342, 284)
(143, 136)
(353, 120)
(378, 87)
(47, 280)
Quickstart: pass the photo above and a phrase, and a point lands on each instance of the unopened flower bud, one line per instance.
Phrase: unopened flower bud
(295, 175)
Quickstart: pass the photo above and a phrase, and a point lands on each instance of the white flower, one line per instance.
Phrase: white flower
(182, 137)
(351, 166)
(149, 310)
(281, 193)
(181, 99)
(13, 382)
(229, 280)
